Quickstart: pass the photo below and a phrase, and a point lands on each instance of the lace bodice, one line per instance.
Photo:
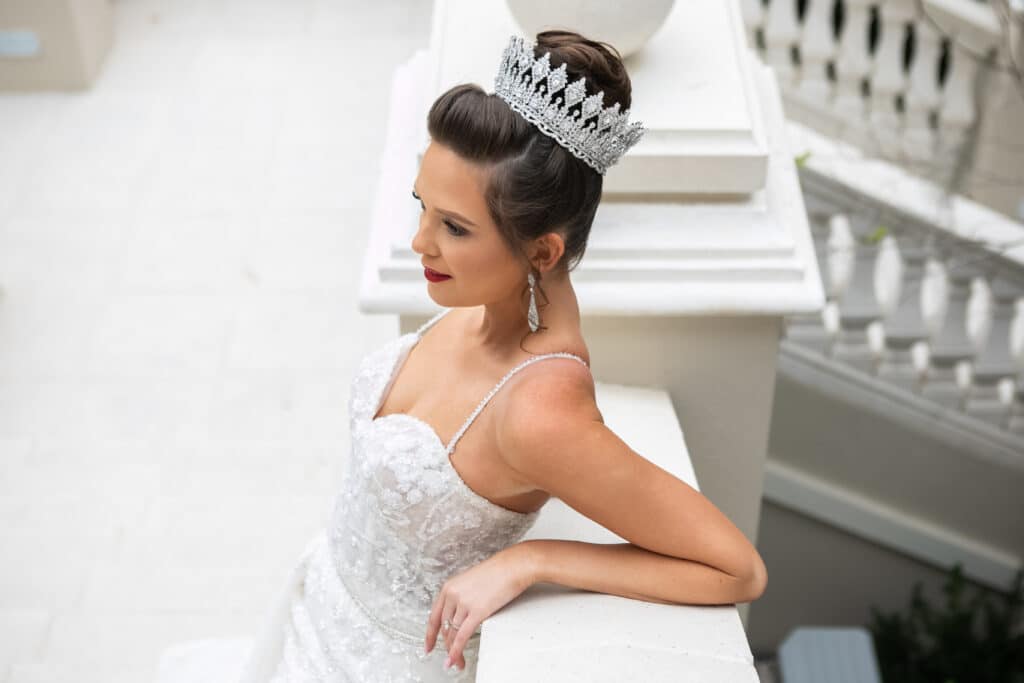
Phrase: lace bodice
(405, 520)
(355, 605)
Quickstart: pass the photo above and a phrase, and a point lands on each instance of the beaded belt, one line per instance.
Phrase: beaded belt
(418, 639)
(387, 628)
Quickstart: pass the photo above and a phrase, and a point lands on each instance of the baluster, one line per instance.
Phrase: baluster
(781, 31)
(817, 49)
(888, 273)
(888, 79)
(979, 313)
(858, 306)
(904, 360)
(994, 363)
(839, 260)
(922, 95)
(853, 63)
(956, 114)
(950, 348)
(753, 20)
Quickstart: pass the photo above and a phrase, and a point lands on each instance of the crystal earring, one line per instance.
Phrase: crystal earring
(531, 313)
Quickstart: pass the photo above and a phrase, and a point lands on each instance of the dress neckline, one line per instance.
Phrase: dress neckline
(446, 450)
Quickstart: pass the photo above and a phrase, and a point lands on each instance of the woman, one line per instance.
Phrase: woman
(424, 542)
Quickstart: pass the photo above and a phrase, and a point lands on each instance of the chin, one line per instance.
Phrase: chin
(439, 300)
(450, 301)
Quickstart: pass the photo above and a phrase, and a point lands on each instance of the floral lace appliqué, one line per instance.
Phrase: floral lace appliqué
(402, 523)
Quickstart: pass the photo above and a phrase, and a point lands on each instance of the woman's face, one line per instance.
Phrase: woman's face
(456, 236)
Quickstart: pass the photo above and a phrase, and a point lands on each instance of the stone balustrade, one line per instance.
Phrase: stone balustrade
(885, 76)
(933, 312)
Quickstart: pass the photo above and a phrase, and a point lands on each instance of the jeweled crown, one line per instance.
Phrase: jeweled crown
(600, 142)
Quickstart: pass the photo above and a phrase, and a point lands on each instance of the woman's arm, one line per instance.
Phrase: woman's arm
(681, 548)
(633, 572)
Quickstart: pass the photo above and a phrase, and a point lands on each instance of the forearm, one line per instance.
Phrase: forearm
(633, 572)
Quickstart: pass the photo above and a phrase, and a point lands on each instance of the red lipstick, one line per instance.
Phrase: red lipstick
(435, 276)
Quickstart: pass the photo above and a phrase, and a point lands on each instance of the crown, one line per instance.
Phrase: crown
(599, 143)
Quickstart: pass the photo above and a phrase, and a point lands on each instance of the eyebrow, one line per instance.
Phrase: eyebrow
(450, 213)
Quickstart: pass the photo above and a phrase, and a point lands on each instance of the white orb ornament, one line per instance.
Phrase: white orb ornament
(624, 25)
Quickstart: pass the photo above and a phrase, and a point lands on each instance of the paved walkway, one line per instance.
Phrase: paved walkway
(180, 248)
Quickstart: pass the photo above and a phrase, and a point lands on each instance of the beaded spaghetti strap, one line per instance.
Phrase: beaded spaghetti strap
(528, 361)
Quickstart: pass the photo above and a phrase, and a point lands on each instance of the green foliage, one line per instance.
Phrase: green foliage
(801, 158)
(971, 640)
(876, 235)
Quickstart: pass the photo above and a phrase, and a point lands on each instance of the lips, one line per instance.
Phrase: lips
(434, 276)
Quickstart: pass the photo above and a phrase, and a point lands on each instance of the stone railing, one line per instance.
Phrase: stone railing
(556, 633)
(930, 302)
(884, 76)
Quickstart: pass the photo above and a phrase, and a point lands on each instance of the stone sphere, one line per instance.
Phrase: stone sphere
(624, 25)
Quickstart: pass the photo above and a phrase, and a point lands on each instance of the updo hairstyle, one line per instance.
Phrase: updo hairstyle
(533, 184)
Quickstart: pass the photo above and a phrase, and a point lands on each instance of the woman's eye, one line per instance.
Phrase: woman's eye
(455, 230)
(452, 228)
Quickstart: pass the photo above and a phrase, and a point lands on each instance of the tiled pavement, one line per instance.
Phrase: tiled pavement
(180, 248)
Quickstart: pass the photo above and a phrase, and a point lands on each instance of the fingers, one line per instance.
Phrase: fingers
(446, 610)
(456, 638)
(434, 622)
(447, 614)
(440, 613)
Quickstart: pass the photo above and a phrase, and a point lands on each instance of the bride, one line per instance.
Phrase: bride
(424, 541)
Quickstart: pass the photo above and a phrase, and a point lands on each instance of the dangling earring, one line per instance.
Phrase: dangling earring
(531, 314)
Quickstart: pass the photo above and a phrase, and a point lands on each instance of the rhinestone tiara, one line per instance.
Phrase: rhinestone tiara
(599, 143)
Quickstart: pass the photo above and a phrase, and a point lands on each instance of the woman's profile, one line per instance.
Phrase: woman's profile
(464, 428)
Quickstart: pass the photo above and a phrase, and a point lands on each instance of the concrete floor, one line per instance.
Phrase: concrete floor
(180, 248)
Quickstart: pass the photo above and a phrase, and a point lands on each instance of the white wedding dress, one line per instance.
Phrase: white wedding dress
(356, 604)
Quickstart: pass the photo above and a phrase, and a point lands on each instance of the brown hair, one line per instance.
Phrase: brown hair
(534, 185)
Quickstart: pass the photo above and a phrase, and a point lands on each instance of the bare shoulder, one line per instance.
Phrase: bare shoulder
(557, 384)
(546, 401)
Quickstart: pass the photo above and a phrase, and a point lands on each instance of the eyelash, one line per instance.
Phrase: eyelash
(461, 232)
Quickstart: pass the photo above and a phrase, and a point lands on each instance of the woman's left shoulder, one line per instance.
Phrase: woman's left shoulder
(554, 385)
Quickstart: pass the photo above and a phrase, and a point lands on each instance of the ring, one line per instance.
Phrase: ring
(448, 625)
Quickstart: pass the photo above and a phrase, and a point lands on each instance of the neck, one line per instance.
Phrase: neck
(503, 323)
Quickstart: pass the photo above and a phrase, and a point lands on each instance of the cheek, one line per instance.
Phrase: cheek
(491, 267)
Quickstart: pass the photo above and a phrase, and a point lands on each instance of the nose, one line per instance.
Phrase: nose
(420, 240)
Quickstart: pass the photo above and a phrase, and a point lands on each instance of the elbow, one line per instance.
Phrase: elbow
(754, 582)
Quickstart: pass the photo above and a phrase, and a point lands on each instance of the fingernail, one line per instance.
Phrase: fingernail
(447, 663)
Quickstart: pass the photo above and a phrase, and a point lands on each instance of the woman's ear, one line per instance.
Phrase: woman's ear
(547, 250)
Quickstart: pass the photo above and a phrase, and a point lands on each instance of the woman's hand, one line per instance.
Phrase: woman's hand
(466, 599)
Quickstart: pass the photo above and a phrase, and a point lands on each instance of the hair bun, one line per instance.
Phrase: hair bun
(600, 63)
